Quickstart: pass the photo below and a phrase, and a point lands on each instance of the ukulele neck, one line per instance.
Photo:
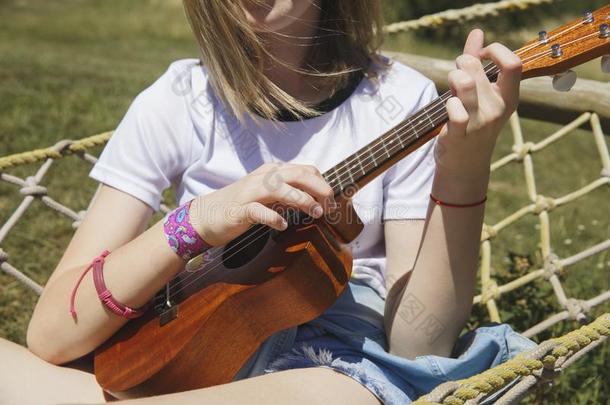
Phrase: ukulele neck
(370, 161)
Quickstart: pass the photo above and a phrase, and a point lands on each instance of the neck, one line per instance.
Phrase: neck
(288, 49)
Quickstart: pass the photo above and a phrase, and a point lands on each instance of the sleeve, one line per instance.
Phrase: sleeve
(407, 184)
(151, 146)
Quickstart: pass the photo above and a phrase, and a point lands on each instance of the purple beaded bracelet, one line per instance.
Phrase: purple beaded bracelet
(180, 234)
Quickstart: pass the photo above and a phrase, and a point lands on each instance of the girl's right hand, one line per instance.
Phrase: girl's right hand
(223, 215)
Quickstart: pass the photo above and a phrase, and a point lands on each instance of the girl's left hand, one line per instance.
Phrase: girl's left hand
(479, 109)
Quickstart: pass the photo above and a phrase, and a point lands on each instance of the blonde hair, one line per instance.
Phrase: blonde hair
(349, 35)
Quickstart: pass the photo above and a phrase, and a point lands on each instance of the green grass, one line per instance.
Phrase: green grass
(69, 69)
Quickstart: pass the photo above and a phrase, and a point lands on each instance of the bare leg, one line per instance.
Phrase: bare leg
(25, 379)
(310, 386)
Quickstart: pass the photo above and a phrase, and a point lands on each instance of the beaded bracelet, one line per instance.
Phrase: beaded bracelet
(181, 236)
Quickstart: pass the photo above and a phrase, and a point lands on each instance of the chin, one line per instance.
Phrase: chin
(276, 15)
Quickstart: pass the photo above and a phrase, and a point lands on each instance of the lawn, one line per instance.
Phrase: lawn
(69, 69)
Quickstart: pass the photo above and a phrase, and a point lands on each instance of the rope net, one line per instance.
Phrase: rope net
(517, 375)
(529, 368)
(463, 15)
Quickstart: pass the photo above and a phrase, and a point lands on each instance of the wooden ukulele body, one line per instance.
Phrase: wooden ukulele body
(289, 279)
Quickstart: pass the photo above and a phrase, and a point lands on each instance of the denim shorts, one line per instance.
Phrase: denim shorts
(349, 338)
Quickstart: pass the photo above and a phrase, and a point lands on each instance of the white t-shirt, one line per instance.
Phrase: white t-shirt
(177, 132)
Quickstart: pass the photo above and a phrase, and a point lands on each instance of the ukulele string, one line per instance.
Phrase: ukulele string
(236, 249)
(550, 39)
(194, 277)
(374, 151)
(519, 52)
(343, 165)
(563, 46)
(490, 70)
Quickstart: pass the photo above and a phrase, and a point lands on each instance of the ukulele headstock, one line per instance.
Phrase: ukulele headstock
(573, 44)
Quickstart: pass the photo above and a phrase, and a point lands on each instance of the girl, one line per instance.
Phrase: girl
(285, 89)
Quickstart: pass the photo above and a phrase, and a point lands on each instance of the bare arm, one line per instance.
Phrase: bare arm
(140, 263)
(431, 294)
(429, 305)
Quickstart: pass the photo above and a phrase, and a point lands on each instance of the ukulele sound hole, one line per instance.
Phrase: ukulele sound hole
(241, 250)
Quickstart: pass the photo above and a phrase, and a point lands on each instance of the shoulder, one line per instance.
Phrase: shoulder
(171, 108)
(159, 122)
(174, 88)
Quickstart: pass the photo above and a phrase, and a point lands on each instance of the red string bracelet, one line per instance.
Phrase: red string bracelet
(446, 204)
(102, 291)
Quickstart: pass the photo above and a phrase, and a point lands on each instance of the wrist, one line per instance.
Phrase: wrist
(463, 162)
(182, 236)
(461, 188)
(195, 215)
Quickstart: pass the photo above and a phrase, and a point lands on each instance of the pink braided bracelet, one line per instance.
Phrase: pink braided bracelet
(102, 291)
(183, 240)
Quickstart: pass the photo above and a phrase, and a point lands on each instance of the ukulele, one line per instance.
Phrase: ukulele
(211, 318)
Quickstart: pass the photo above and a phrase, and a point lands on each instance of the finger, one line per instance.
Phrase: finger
(273, 188)
(458, 117)
(511, 68)
(464, 87)
(306, 177)
(474, 68)
(293, 197)
(257, 213)
(310, 180)
(474, 43)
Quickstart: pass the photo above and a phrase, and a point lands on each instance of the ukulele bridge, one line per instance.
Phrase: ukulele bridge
(169, 311)
(168, 315)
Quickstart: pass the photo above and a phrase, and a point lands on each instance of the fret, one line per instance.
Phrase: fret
(372, 155)
(412, 128)
(349, 171)
(388, 144)
(334, 177)
(360, 164)
(429, 117)
(400, 140)
(338, 176)
(385, 147)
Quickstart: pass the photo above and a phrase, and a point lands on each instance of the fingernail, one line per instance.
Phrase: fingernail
(284, 225)
(317, 211)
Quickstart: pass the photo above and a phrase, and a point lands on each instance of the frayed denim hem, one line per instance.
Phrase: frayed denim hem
(307, 357)
(345, 340)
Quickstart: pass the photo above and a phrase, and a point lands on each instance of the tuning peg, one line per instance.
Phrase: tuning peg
(556, 51)
(564, 81)
(588, 17)
(543, 37)
(606, 64)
